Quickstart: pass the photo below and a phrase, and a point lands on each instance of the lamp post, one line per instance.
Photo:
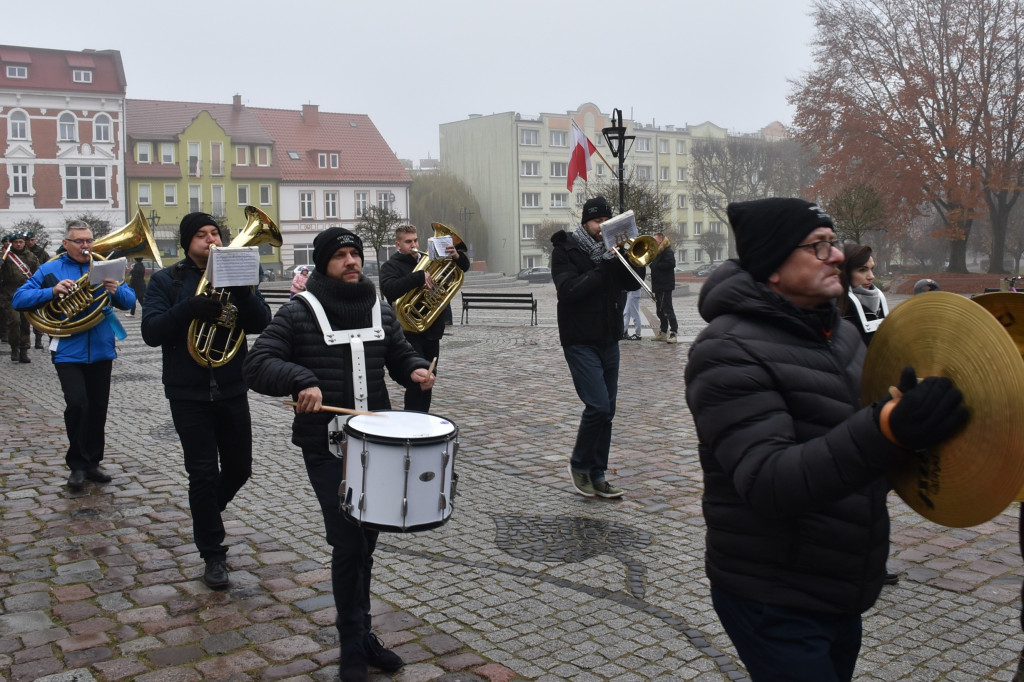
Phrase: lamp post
(616, 137)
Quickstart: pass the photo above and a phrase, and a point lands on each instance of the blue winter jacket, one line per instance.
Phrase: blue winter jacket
(92, 345)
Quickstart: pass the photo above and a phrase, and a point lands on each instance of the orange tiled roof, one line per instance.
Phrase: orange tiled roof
(52, 69)
(156, 120)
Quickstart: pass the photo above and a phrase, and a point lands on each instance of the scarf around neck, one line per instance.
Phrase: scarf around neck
(592, 247)
(870, 299)
(347, 304)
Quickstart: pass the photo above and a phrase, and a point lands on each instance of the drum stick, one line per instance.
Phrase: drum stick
(433, 364)
(337, 410)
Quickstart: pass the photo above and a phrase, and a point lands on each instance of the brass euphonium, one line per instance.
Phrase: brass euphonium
(81, 308)
(418, 309)
(214, 343)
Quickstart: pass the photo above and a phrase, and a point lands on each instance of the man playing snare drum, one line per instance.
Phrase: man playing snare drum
(294, 357)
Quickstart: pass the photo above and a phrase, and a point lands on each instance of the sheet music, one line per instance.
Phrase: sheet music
(113, 269)
(619, 228)
(438, 247)
(233, 266)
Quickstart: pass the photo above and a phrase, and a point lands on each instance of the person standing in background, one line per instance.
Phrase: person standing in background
(137, 281)
(663, 282)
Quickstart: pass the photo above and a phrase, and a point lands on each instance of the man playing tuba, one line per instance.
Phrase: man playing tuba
(209, 404)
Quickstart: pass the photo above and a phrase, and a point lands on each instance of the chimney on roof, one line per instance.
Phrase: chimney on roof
(236, 103)
(310, 114)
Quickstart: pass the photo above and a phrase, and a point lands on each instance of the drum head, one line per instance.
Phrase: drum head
(395, 425)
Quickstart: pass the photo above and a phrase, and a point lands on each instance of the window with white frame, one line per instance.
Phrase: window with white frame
(218, 206)
(305, 204)
(241, 156)
(81, 75)
(559, 200)
(262, 156)
(17, 71)
(559, 138)
(193, 160)
(581, 198)
(195, 198)
(600, 171)
(682, 255)
(243, 195)
(85, 182)
(698, 255)
(19, 178)
(145, 194)
(334, 160)
(167, 152)
(680, 174)
(643, 172)
(530, 200)
(643, 144)
(529, 137)
(715, 227)
(529, 169)
(663, 173)
(663, 146)
(303, 254)
(330, 204)
(266, 195)
(666, 200)
(681, 201)
(697, 227)
(530, 230)
(171, 195)
(385, 199)
(217, 158)
(144, 152)
(18, 125)
(682, 229)
(321, 160)
(680, 146)
(67, 128)
(559, 169)
(101, 129)
(362, 203)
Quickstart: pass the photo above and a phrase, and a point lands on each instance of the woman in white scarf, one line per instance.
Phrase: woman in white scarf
(864, 303)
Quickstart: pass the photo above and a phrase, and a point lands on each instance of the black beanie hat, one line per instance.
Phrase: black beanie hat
(596, 207)
(768, 230)
(191, 223)
(329, 241)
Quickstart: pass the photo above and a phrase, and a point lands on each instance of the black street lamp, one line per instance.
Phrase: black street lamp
(154, 218)
(616, 136)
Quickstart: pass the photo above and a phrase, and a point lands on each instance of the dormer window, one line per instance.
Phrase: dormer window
(17, 71)
(81, 75)
(321, 160)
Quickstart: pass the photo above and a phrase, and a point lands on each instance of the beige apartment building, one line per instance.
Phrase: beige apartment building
(517, 168)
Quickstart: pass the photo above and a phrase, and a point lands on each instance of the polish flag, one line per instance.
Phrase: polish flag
(579, 156)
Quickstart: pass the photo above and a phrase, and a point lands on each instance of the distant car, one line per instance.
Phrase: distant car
(289, 271)
(535, 275)
(705, 270)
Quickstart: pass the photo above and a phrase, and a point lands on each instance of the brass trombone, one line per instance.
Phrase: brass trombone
(641, 249)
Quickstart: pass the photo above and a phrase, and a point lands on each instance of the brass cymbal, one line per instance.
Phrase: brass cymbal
(975, 475)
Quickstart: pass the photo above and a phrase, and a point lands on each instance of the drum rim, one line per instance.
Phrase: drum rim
(396, 440)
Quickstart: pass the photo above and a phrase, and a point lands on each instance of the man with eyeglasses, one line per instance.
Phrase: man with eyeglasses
(794, 468)
(83, 360)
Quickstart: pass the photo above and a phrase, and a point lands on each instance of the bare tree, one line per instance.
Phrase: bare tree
(642, 197)
(712, 243)
(924, 96)
(542, 236)
(377, 227)
(443, 198)
(857, 211)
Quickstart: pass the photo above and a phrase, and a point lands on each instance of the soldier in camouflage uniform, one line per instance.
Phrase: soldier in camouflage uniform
(5, 241)
(17, 268)
(42, 256)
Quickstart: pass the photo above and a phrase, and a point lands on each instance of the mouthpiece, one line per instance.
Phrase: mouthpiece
(86, 252)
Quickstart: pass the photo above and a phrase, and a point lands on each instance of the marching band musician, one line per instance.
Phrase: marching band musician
(293, 356)
(663, 282)
(396, 279)
(209, 405)
(18, 266)
(794, 468)
(42, 256)
(83, 360)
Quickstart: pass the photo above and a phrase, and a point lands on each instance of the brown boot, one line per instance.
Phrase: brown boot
(15, 354)
(39, 341)
(23, 356)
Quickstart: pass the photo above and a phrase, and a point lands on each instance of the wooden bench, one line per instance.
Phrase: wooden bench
(480, 300)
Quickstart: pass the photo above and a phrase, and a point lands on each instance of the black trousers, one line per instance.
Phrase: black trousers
(216, 438)
(665, 312)
(417, 400)
(86, 394)
(351, 549)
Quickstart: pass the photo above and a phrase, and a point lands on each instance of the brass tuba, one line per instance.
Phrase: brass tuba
(81, 308)
(214, 343)
(417, 310)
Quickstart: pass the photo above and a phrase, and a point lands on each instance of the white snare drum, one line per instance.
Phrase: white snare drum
(399, 470)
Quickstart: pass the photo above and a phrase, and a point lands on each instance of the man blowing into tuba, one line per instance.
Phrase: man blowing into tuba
(396, 279)
(209, 405)
(83, 360)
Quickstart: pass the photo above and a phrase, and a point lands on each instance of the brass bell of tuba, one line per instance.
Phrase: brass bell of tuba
(418, 309)
(214, 343)
(81, 308)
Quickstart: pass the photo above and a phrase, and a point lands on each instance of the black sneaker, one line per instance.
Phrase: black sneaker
(380, 657)
(76, 480)
(216, 574)
(98, 475)
(891, 579)
(352, 667)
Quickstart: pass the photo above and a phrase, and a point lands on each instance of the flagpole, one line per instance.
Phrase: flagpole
(596, 150)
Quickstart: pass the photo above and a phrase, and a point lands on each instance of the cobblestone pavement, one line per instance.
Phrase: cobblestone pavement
(526, 581)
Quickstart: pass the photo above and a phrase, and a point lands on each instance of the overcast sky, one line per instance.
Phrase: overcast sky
(412, 65)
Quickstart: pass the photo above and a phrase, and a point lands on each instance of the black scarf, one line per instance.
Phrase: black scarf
(347, 304)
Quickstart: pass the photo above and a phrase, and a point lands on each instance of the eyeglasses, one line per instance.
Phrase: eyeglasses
(80, 242)
(822, 249)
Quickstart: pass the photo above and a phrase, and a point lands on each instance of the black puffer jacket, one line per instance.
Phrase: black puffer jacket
(291, 355)
(589, 304)
(397, 279)
(794, 492)
(663, 270)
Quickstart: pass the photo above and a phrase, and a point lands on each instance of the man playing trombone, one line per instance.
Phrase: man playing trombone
(589, 281)
(209, 404)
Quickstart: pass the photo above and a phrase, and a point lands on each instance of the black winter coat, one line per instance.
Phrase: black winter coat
(663, 270)
(794, 492)
(397, 279)
(165, 321)
(590, 296)
(291, 355)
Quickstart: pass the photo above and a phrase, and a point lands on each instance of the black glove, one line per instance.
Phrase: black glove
(204, 308)
(928, 413)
